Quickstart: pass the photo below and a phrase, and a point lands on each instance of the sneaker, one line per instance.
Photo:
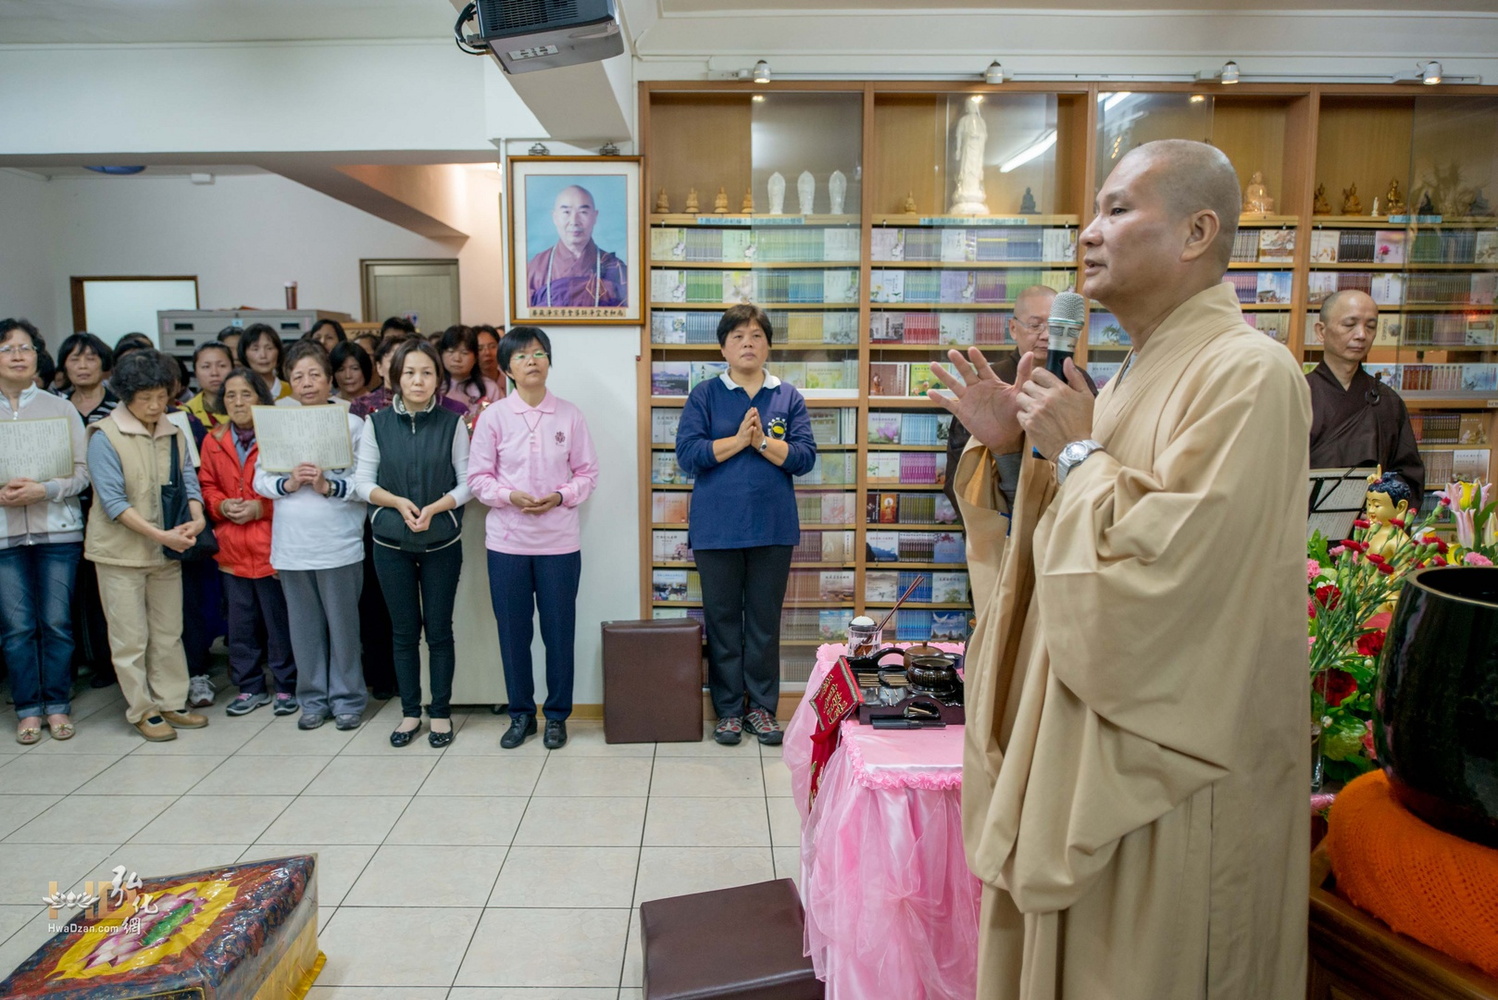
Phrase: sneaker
(521, 726)
(185, 720)
(199, 691)
(556, 734)
(155, 729)
(347, 721)
(284, 704)
(727, 731)
(244, 703)
(762, 724)
(310, 720)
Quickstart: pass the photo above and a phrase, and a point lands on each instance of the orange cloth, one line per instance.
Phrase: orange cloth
(1431, 886)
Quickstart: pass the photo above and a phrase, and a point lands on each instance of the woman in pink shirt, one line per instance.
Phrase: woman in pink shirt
(532, 461)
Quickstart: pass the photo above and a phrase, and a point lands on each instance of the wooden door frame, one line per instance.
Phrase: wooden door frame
(364, 262)
(75, 290)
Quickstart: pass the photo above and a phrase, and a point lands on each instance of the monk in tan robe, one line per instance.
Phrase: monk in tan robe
(1135, 784)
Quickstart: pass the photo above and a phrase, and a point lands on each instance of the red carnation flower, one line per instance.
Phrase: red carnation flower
(1337, 686)
(1375, 558)
(1445, 501)
(1385, 568)
(1328, 596)
(1437, 561)
(1371, 643)
(1360, 523)
(1397, 522)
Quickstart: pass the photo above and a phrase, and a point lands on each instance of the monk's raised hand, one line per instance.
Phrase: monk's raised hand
(1055, 413)
(985, 403)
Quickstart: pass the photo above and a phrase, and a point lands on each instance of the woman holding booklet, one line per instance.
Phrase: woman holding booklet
(316, 544)
(43, 538)
(413, 467)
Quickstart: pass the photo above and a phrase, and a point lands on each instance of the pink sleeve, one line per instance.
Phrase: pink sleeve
(584, 462)
(484, 477)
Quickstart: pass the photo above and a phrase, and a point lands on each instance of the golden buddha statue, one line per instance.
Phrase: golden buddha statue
(720, 202)
(1394, 200)
(692, 206)
(1387, 501)
(663, 203)
(1321, 205)
(1351, 203)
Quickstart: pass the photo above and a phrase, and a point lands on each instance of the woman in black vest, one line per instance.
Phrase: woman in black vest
(413, 471)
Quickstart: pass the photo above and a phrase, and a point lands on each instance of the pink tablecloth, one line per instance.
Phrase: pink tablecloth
(891, 909)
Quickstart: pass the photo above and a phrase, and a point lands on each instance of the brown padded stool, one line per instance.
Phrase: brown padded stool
(652, 681)
(742, 943)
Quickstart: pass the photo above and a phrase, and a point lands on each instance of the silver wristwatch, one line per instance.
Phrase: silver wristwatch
(1072, 456)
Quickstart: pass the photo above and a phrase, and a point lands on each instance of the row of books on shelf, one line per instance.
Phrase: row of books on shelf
(987, 244)
(1264, 246)
(745, 244)
(1465, 464)
(679, 378)
(885, 586)
(909, 508)
(829, 425)
(826, 547)
(710, 287)
(915, 546)
(790, 327)
(1434, 378)
(939, 329)
(880, 586)
(1395, 246)
(912, 468)
(812, 507)
(900, 378)
(908, 428)
(831, 624)
(1450, 428)
(1422, 330)
(893, 285)
(1394, 289)
(1262, 287)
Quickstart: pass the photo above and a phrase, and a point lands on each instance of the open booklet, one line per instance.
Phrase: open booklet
(1335, 499)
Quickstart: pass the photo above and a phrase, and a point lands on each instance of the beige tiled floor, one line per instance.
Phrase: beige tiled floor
(470, 873)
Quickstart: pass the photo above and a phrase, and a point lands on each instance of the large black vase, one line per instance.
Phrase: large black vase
(1435, 720)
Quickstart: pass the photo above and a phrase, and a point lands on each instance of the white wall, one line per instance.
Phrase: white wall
(26, 286)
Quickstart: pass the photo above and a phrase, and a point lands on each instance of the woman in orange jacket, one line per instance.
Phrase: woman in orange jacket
(242, 522)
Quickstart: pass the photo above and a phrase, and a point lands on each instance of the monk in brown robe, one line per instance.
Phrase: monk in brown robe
(1031, 335)
(1357, 421)
(575, 273)
(1137, 745)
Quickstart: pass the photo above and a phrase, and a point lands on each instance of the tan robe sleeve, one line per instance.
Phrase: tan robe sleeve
(1151, 589)
(985, 517)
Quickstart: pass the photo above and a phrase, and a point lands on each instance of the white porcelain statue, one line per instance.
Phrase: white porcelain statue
(837, 190)
(971, 138)
(806, 189)
(777, 194)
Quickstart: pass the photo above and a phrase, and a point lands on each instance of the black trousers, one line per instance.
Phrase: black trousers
(420, 589)
(742, 594)
(259, 635)
(377, 643)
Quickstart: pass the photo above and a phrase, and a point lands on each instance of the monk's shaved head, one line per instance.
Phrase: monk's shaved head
(1192, 176)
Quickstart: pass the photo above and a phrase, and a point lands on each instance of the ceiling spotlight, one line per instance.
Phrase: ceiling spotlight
(761, 72)
(1430, 73)
(994, 74)
(1229, 73)
(758, 98)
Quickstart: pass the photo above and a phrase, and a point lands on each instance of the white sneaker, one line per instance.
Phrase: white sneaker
(199, 691)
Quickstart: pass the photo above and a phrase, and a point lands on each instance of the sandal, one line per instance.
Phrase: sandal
(63, 730)
(27, 735)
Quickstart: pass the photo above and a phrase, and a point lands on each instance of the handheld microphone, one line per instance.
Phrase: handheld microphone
(1068, 316)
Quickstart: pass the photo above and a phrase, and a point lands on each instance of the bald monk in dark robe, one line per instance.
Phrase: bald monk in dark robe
(1356, 420)
(575, 273)
(1031, 335)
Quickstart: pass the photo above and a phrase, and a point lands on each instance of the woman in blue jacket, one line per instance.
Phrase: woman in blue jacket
(743, 436)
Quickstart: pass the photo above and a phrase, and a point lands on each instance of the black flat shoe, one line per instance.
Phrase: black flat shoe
(439, 740)
(521, 726)
(556, 734)
(403, 739)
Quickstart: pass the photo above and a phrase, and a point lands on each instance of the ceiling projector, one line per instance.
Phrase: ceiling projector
(528, 35)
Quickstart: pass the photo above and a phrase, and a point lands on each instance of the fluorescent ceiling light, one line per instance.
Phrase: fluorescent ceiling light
(1029, 153)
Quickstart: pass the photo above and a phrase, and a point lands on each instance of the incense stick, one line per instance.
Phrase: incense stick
(908, 591)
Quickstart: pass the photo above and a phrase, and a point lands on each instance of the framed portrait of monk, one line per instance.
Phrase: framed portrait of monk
(575, 240)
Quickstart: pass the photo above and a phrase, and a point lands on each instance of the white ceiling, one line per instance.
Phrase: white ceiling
(105, 21)
(690, 7)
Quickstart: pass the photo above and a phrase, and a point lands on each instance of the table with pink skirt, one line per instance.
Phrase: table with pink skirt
(891, 908)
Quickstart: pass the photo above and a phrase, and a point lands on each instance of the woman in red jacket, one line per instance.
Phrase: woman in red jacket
(242, 522)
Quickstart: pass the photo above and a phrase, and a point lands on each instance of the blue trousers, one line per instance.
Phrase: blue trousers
(519, 586)
(36, 620)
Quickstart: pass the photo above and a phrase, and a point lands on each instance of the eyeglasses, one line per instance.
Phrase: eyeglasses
(18, 349)
(522, 356)
(1034, 324)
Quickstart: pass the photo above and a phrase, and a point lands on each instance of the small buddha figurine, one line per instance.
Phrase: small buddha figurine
(1351, 203)
(1256, 196)
(1478, 207)
(1427, 205)
(663, 203)
(747, 205)
(909, 207)
(692, 207)
(1394, 200)
(1027, 203)
(1321, 206)
(1388, 500)
(720, 202)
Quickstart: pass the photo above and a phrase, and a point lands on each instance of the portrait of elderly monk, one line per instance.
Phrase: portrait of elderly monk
(575, 272)
(1355, 420)
(1137, 743)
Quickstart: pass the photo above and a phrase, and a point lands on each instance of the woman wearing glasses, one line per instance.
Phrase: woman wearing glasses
(533, 463)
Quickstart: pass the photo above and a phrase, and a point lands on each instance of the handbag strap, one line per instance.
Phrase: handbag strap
(174, 478)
